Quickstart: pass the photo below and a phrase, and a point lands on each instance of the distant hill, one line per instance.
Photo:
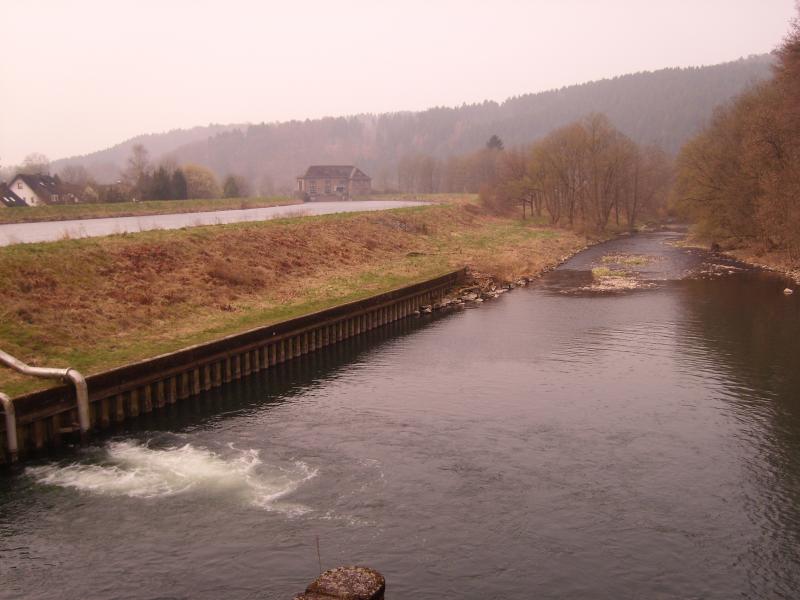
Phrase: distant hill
(664, 107)
(106, 164)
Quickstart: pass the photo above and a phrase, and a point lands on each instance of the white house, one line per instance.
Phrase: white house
(36, 190)
(9, 198)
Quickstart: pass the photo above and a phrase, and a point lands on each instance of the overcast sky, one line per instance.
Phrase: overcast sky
(81, 75)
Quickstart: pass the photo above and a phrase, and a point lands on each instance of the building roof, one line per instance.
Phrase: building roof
(9, 198)
(42, 185)
(333, 172)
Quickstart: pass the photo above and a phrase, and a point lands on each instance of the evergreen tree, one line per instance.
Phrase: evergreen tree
(179, 189)
(495, 143)
(161, 186)
(230, 189)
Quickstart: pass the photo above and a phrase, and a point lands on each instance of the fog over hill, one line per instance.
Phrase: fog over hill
(664, 107)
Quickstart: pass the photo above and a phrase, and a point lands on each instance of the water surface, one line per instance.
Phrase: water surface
(50, 231)
(554, 443)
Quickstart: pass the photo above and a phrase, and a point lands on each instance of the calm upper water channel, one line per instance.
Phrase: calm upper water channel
(554, 443)
(51, 231)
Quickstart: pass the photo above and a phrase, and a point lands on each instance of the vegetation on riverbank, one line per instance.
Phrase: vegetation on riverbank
(587, 175)
(739, 179)
(100, 302)
(66, 212)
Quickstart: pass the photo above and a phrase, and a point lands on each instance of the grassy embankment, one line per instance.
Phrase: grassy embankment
(68, 212)
(101, 302)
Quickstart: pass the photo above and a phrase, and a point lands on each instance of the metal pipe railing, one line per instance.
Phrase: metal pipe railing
(11, 427)
(69, 374)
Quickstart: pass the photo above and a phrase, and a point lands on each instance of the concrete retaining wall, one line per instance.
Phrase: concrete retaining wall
(46, 419)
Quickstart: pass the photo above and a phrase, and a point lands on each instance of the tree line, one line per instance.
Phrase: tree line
(584, 174)
(664, 107)
(140, 180)
(739, 179)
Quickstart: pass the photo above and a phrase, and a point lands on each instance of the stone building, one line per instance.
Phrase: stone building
(333, 182)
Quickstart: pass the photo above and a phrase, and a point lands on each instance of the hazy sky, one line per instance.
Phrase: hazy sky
(80, 75)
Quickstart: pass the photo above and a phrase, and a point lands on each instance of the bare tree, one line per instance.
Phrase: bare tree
(138, 165)
(35, 163)
(75, 174)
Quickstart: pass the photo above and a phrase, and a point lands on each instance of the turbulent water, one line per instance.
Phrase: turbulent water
(135, 470)
(632, 433)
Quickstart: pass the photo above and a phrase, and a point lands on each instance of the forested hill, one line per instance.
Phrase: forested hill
(665, 107)
(105, 164)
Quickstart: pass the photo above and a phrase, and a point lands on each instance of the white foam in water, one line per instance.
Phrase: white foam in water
(138, 471)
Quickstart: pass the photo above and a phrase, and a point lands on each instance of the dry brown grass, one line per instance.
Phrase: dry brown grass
(98, 302)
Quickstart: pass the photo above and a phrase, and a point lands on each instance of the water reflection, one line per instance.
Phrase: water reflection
(743, 333)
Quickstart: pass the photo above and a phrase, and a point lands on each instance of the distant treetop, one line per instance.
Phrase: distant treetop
(495, 143)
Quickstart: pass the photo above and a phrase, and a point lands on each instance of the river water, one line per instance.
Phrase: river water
(50, 231)
(558, 442)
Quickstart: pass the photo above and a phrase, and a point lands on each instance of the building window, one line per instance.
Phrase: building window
(19, 185)
(54, 198)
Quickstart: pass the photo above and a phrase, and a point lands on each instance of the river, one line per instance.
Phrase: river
(558, 442)
(50, 231)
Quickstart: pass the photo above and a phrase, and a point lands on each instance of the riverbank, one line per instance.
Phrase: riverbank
(780, 262)
(69, 212)
(777, 260)
(102, 302)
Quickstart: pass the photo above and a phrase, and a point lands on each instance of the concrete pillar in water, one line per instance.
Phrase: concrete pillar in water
(105, 412)
(217, 380)
(55, 429)
(207, 384)
(346, 583)
(237, 367)
(255, 361)
(183, 390)
(134, 403)
(119, 408)
(195, 388)
(147, 399)
(273, 354)
(265, 356)
(246, 366)
(37, 432)
(172, 392)
(161, 396)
